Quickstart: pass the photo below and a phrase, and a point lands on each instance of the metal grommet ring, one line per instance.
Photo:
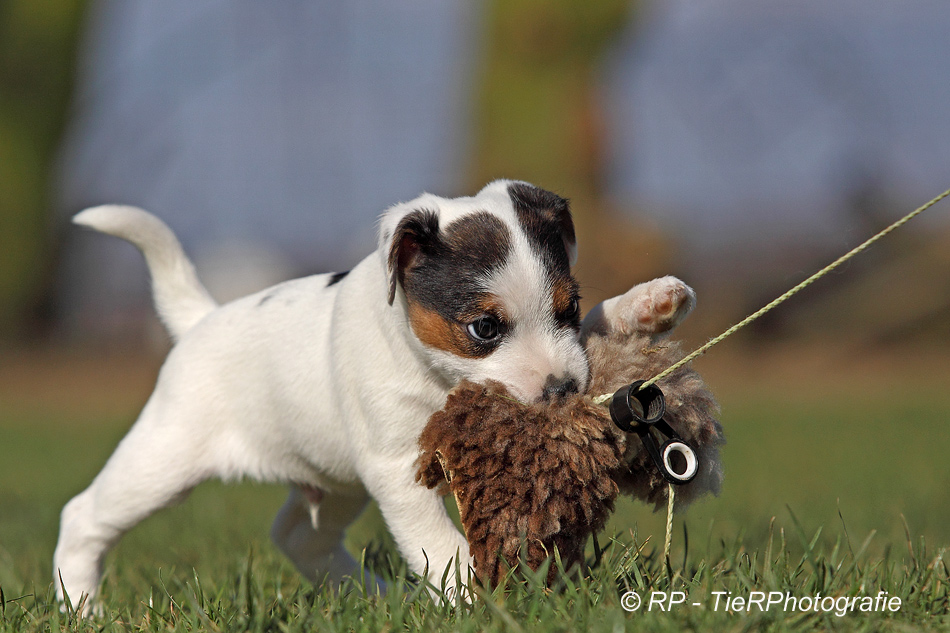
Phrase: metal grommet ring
(692, 463)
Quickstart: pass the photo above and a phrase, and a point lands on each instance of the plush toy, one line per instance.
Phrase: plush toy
(531, 477)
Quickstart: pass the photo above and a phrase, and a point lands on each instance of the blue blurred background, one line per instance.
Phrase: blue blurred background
(738, 143)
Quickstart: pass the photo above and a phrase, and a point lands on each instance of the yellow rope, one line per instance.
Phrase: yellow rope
(788, 295)
(669, 527)
(603, 399)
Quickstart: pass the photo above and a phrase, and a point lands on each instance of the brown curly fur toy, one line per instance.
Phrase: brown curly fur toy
(529, 478)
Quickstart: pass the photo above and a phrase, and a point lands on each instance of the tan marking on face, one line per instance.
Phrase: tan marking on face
(433, 330)
(562, 295)
(436, 331)
(485, 304)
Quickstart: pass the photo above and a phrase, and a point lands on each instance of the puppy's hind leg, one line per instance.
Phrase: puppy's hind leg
(309, 530)
(154, 466)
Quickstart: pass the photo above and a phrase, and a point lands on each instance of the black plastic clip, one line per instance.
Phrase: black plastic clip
(637, 410)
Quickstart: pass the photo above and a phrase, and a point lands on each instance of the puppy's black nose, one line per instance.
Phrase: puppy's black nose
(556, 388)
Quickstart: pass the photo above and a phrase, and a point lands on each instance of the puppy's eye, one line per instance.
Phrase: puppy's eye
(570, 314)
(573, 309)
(485, 329)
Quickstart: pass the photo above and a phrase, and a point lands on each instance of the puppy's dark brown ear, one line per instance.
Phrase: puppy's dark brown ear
(546, 219)
(416, 233)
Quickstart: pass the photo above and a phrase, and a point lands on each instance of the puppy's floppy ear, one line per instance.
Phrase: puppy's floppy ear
(415, 234)
(544, 216)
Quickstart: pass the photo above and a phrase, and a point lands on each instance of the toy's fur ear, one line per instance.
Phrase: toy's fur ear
(415, 234)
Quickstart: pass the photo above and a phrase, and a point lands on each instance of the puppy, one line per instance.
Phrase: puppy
(325, 383)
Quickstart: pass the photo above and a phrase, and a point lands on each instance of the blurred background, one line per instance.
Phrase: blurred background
(739, 144)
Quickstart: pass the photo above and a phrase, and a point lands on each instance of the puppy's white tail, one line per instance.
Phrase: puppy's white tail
(180, 299)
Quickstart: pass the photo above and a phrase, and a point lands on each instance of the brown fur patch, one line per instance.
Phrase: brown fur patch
(563, 295)
(484, 303)
(528, 478)
(435, 331)
(481, 237)
(432, 329)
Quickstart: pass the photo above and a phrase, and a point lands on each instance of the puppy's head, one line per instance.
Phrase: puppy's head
(486, 285)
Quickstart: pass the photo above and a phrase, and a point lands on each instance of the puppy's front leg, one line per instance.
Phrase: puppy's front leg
(653, 307)
(416, 517)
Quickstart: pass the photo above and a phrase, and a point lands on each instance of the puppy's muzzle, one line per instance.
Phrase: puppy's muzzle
(556, 388)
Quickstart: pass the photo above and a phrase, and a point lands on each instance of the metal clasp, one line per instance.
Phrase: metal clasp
(640, 410)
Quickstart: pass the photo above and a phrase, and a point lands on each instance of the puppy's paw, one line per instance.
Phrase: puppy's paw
(652, 307)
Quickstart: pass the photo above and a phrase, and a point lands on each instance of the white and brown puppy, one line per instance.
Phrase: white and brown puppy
(325, 382)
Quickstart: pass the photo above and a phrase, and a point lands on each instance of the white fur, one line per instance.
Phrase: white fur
(180, 298)
(321, 387)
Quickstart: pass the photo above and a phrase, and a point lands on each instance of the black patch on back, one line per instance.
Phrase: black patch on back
(336, 278)
(445, 272)
(274, 292)
(546, 220)
(265, 299)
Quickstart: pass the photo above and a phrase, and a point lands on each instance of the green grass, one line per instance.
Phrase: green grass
(842, 498)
